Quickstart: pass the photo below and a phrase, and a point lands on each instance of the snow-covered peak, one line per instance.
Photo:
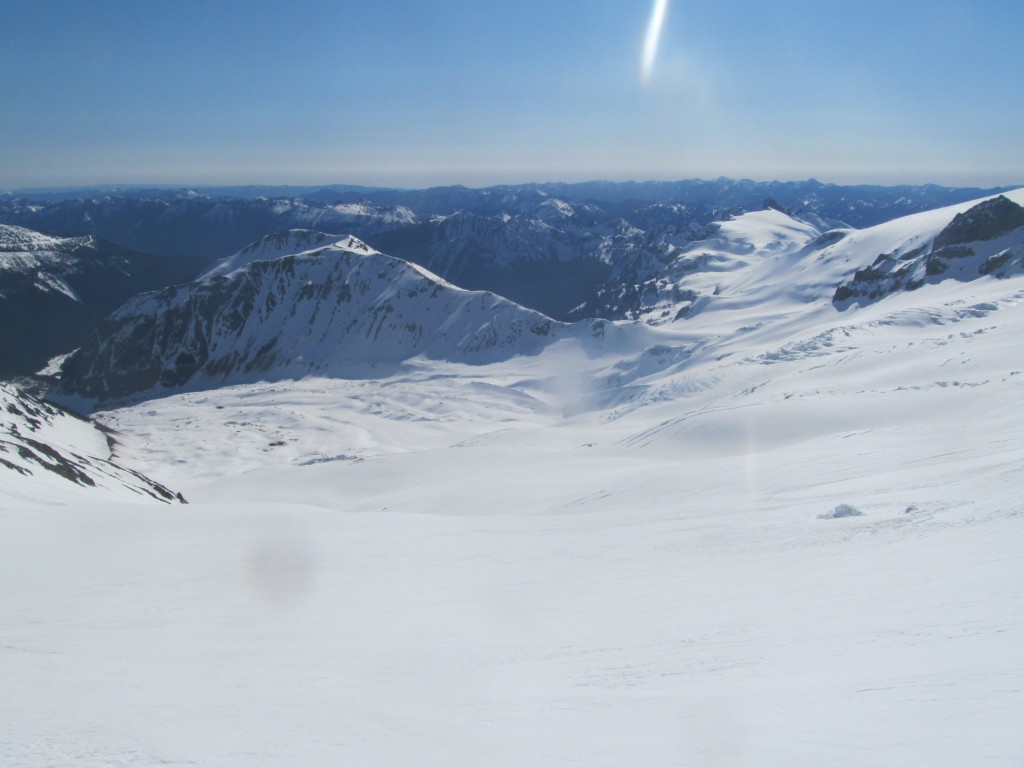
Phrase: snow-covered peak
(398, 214)
(764, 232)
(553, 207)
(985, 221)
(744, 260)
(27, 252)
(905, 234)
(354, 245)
(329, 311)
(773, 262)
(272, 247)
(291, 243)
(962, 242)
(15, 239)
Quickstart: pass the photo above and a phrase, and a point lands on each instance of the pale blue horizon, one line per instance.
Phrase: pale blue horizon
(413, 94)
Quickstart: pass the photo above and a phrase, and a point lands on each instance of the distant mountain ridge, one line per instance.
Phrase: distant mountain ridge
(565, 258)
(566, 250)
(185, 223)
(863, 204)
(54, 290)
(212, 223)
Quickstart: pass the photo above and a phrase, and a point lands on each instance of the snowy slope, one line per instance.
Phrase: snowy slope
(601, 554)
(770, 262)
(985, 239)
(516, 560)
(746, 258)
(33, 253)
(47, 262)
(272, 247)
(47, 455)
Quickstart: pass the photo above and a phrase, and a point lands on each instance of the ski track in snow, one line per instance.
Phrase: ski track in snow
(559, 560)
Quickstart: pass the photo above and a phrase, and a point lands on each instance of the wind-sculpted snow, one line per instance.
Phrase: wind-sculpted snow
(330, 311)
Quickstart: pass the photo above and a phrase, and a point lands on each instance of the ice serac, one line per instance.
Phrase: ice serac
(45, 451)
(333, 310)
(986, 239)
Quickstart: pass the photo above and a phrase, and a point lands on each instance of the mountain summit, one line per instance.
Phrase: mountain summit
(331, 310)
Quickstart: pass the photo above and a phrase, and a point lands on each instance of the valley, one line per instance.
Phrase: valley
(759, 525)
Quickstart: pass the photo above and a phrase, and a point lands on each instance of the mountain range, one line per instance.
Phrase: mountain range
(307, 303)
(569, 251)
(304, 303)
(736, 488)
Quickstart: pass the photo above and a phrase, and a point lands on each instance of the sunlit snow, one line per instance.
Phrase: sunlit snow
(775, 534)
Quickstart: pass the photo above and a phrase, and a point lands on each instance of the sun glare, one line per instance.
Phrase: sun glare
(651, 41)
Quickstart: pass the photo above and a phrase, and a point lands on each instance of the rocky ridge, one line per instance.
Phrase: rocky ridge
(43, 447)
(987, 239)
(332, 310)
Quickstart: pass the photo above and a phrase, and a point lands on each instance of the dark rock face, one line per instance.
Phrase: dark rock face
(988, 239)
(985, 221)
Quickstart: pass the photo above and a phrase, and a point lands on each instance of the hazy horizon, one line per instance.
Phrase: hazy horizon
(299, 184)
(413, 95)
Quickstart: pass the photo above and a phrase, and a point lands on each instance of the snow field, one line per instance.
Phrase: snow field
(456, 565)
(614, 552)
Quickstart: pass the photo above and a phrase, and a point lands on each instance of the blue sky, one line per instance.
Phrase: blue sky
(419, 92)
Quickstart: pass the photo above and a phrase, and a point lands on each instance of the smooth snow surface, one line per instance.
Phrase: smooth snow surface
(628, 556)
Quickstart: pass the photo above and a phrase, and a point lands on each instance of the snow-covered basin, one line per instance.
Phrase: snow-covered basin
(521, 564)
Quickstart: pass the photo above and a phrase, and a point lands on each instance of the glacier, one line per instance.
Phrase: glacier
(618, 545)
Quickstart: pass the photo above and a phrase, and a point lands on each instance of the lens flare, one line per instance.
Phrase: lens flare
(651, 41)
